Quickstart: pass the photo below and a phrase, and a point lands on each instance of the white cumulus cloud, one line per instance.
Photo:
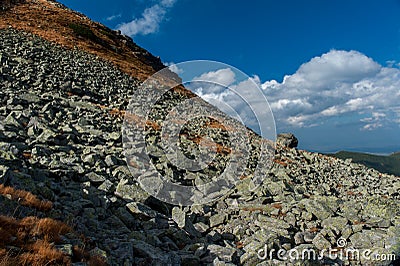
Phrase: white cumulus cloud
(149, 21)
(174, 68)
(346, 86)
(337, 84)
(223, 77)
(237, 95)
(113, 17)
(213, 84)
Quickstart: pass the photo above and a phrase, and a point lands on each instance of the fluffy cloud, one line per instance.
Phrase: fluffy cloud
(238, 96)
(113, 17)
(174, 68)
(337, 84)
(150, 20)
(332, 68)
(213, 84)
(345, 86)
(339, 100)
(223, 77)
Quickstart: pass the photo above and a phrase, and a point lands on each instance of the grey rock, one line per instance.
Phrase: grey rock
(141, 210)
(214, 236)
(11, 120)
(189, 260)
(319, 208)
(275, 188)
(201, 227)
(368, 239)
(130, 191)
(226, 254)
(46, 135)
(106, 186)
(66, 249)
(335, 223)
(308, 236)
(179, 217)
(90, 159)
(351, 210)
(275, 225)
(299, 238)
(3, 173)
(217, 219)
(287, 140)
(347, 232)
(111, 160)
(99, 252)
(378, 207)
(114, 136)
(321, 243)
(95, 178)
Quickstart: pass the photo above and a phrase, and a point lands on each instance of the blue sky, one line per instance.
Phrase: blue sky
(329, 69)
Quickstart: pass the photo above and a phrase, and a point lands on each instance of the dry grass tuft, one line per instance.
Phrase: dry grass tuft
(83, 255)
(43, 253)
(284, 164)
(30, 240)
(32, 236)
(50, 229)
(6, 4)
(35, 239)
(26, 198)
(17, 232)
(96, 261)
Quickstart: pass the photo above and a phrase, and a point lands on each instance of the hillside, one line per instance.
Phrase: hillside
(395, 155)
(70, 168)
(56, 23)
(386, 164)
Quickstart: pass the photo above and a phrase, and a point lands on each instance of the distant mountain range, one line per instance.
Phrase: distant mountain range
(386, 164)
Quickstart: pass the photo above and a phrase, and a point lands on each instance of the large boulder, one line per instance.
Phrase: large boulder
(287, 140)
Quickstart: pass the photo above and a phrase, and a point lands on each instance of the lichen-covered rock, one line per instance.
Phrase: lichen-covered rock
(287, 140)
(179, 217)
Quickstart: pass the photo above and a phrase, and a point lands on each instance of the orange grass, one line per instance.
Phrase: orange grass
(26, 198)
(33, 238)
(43, 253)
(13, 231)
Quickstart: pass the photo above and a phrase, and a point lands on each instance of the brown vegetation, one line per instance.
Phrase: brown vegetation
(6, 4)
(55, 23)
(25, 198)
(313, 229)
(277, 205)
(210, 144)
(280, 162)
(73, 30)
(239, 244)
(32, 237)
(31, 240)
(133, 118)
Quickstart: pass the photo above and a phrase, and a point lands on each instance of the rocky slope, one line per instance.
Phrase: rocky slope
(383, 163)
(60, 138)
(58, 24)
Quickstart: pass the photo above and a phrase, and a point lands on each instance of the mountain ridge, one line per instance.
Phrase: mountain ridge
(386, 164)
(72, 30)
